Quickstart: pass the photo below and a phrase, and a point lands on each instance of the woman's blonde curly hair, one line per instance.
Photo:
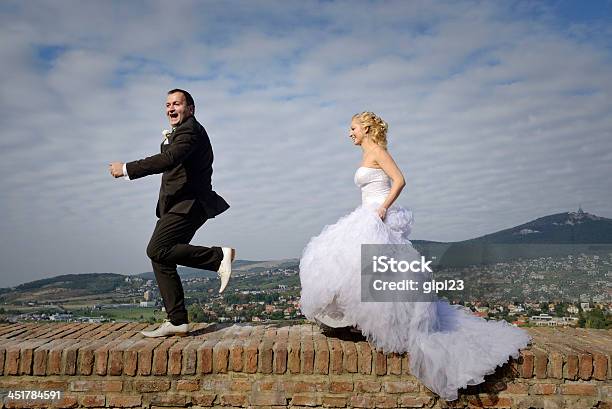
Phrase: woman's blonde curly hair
(376, 127)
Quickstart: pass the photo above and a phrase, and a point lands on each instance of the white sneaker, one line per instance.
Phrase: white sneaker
(167, 328)
(225, 268)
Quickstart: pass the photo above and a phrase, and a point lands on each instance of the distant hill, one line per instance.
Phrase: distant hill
(561, 228)
(243, 266)
(555, 235)
(72, 286)
(64, 286)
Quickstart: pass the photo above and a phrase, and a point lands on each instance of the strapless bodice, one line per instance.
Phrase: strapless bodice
(374, 183)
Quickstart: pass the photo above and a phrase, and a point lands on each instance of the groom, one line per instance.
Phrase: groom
(186, 201)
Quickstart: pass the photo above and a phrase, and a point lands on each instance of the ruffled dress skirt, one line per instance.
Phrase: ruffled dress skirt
(449, 347)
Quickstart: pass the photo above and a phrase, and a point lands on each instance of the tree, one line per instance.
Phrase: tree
(196, 314)
(596, 319)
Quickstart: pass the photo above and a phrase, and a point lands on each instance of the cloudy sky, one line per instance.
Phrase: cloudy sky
(498, 112)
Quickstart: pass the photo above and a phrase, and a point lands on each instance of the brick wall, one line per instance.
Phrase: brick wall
(112, 365)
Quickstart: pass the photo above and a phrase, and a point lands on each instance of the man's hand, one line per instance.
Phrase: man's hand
(116, 169)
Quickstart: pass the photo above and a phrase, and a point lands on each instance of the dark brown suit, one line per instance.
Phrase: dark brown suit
(186, 201)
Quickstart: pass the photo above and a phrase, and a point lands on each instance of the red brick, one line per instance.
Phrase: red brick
(51, 385)
(233, 399)
(540, 364)
(251, 350)
(262, 385)
(335, 356)
(26, 358)
(11, 362)
(101, 358)
(221, 357)
(70, 356)
(65, 402)
(585, 366)
(394, 364)
(39, 366)
(582, 389)
(570, 370)
(350, 360)
(25, 404)
(236, 356)
(169, 400)
(308, 356)
(406, 364)
(145, 356)
(265, 356)
(303, 386)
(517, 388)
(490, 401)
(340, 386)
(380, 363)
(321, 364)
(400, 387)
(54, 356)
(241, 385)
(205, 357)
(334, 401)
(280, 357)
(130, 358)
(189, 363)
(600, 366)
(414, 402)
(188, 385)
(580, 402)
(115, 357)
(544, 388)
(203, 399)
(160, 357)
(268, 398)
(364, 353)
(92, 401)
(157, 385)
(306, 399)
(125, 401)
(527, 364)
(386, 401)
(175, 357)
(87, 357)
(293, 356)
(362, 401)
(2, 353)
(555, 365)
(96, 386)
(367, 386)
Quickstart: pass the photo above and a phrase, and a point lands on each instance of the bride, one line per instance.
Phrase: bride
(449, 347)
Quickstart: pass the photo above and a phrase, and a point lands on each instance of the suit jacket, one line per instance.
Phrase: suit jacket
(186, 167)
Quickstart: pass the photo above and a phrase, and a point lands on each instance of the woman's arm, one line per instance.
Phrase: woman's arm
(386, 162)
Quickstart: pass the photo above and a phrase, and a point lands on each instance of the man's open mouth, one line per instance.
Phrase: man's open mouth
(173, 115)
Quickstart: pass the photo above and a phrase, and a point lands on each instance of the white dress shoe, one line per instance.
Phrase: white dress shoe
(167, 328)
(225, 268)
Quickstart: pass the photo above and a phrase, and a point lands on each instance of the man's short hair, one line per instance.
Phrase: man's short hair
(187, 95)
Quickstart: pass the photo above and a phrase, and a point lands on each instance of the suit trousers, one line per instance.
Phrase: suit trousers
(169, 246)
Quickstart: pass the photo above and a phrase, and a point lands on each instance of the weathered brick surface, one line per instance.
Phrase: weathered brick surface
(113, 365)
(125, 401)
(153, 385)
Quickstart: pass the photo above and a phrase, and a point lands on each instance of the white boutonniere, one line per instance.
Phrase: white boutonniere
(166, 134)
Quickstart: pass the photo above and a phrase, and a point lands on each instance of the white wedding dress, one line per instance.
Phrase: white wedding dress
(449, 347)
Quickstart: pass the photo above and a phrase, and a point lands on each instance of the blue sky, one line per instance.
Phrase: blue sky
(499, 113)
